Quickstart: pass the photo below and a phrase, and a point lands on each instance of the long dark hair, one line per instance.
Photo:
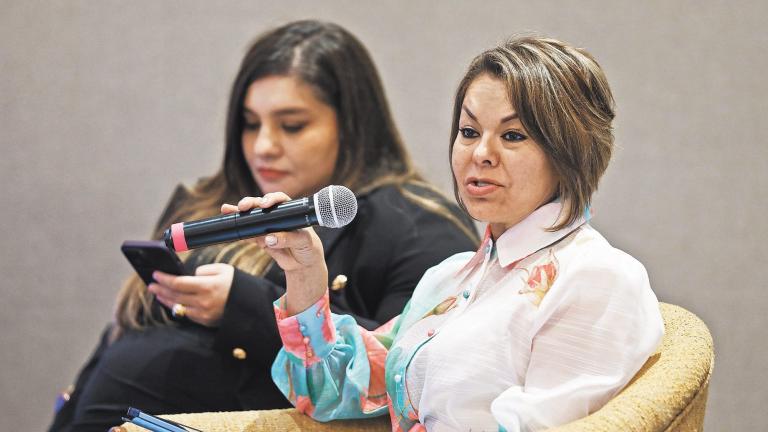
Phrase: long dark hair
(340, 70)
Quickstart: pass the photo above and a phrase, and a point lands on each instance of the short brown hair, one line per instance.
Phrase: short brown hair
(563, 100)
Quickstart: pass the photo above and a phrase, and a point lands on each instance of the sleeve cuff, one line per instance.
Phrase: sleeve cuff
(308, 336)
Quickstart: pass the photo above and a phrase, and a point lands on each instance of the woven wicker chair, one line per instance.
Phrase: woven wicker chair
(668, 394)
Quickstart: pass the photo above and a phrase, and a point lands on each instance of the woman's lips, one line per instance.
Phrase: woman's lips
(480, 187)
(269, 174)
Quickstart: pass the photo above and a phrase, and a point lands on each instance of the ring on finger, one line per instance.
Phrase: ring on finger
(178, 310)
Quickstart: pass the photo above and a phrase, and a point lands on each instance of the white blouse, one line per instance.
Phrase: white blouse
(536, 330)
(548, 334)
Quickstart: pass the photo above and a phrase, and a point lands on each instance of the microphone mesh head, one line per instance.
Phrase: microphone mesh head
(335, 206)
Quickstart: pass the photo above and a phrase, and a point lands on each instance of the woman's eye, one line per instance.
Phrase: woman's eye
(294, 128)
(468, 132)
(514, 136)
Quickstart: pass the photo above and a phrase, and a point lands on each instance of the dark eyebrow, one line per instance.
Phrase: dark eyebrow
(284, 111)
(469, 113)
(504, 120)
(508, 118)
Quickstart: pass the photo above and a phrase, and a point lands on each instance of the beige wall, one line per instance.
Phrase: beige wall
(107, 105)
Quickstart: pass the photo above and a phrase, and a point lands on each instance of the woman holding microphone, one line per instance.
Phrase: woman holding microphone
(541, 326)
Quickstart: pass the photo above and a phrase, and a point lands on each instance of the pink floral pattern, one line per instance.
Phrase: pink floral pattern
(541, 278)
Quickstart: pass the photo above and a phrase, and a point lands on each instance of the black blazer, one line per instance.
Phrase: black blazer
(382, 255)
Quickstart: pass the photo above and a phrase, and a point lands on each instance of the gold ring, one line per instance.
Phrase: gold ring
(178, 310)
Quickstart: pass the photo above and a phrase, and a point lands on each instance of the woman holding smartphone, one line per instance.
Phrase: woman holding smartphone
(307, 109)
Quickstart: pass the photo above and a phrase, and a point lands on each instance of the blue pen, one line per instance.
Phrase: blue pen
(166, 426)
(138, 421)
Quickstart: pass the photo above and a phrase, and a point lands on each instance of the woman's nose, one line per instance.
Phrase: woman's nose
(486, 152)
(266, 144)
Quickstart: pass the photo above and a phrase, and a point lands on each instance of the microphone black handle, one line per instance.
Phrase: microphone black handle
(285, 216)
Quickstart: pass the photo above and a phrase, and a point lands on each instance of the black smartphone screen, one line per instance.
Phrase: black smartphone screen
(148, 256)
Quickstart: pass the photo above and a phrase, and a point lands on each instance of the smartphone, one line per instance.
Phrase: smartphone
(156, 424)
(151, 255)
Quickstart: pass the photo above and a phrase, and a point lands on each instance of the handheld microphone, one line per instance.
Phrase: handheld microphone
(333, 207)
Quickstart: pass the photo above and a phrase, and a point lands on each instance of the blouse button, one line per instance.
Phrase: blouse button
(319, 314)
(303, 328)
(398, 378)
(430, 332)
(466, 294)
(306, 340)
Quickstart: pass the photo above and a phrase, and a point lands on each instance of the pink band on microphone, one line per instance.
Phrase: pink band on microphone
(177, 234)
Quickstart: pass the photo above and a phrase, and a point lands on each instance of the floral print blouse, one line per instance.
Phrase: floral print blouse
(536, 330)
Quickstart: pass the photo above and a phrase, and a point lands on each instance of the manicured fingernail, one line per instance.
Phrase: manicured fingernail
(270, 240)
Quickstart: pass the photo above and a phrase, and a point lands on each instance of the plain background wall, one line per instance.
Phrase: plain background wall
(107, 105)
